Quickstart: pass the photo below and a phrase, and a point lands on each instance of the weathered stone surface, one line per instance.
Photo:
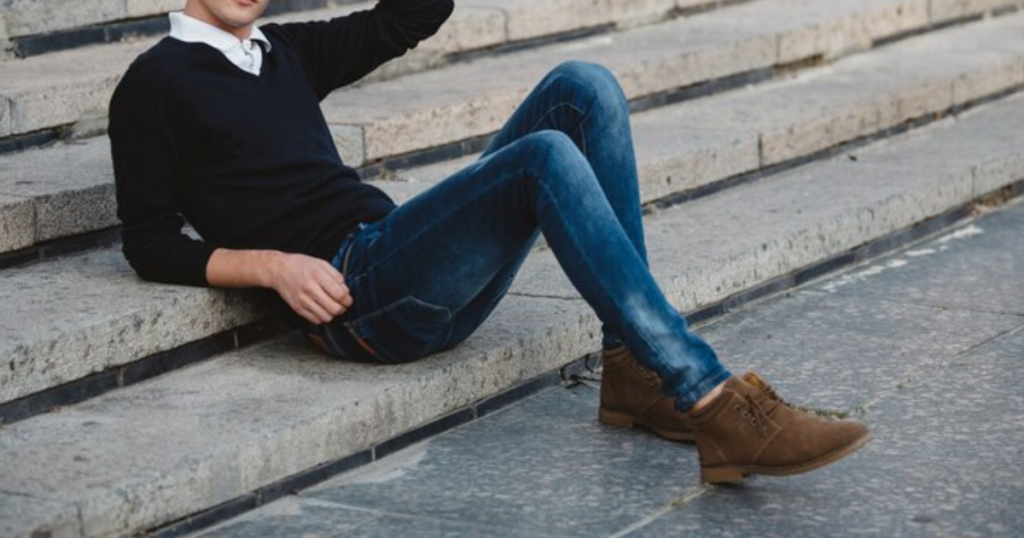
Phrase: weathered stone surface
(246, 419)
(682, 148)
(535, 18)
(972, 268)
(17, 223)
(870, 92)
(843, 352)
(853, 98)
(546, 457)
(6, 123)
(23, 516)
(469, 100)
(832, 29)
(70, 186)
(143, 8)
(940, 11)
(64, 87)
(28, 17)
(928, 471)
(314, 518)
(48, 338)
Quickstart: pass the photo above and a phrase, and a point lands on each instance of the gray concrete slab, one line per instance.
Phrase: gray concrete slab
(679, 147)
(545, 467)
(70, 185)
(76, 85)
(842, 353)
(940, 11)
(82, 314)
(249, 418)
(17, 223)
(312, 518)
(535, 18)
(943, 461)
(143, 8)
(981, 270)
(28, 17)
(22, 516)
(815, 111)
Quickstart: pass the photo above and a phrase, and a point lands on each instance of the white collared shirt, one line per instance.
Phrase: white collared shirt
(245, 53)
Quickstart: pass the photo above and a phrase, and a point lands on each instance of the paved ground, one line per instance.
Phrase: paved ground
(926, 345)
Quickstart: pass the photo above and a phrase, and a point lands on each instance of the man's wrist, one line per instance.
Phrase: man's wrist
(270, 267)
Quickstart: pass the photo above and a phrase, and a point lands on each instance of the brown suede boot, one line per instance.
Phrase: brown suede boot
(749, 429)
(631, 395)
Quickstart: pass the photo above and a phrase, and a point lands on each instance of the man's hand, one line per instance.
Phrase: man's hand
(312, 287)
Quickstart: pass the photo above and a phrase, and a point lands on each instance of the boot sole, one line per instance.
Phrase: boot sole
(734, 474)
(622, 420)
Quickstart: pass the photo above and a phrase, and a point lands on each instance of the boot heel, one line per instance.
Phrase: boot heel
(721, 475)
(612, 418)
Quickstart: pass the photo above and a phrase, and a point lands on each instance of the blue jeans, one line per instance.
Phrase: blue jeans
(427, 275)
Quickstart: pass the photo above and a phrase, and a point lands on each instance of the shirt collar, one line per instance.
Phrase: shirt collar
(192, 30)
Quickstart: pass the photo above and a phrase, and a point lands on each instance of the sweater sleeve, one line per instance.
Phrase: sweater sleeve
(341, 51)
(146, 164)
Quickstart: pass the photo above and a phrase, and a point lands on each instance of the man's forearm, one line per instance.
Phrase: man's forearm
(312, 287)
(243, 268)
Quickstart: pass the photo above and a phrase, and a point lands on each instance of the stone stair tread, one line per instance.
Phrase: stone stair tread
(436, 107)
(855, 97)
(679, 147)
(75, 85)
(207, 433)
(41, 16)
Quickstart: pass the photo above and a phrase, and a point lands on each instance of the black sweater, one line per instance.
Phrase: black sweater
(248, 160)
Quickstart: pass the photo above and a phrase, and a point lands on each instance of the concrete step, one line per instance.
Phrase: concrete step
(74, 87)
(446, 106)
(727, 135)
(23, 18)
(158, 451)
(114, 318)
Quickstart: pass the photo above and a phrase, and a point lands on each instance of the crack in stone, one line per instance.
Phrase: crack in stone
(954, 358)
(544, 296)
(937, 306)
(694, 493)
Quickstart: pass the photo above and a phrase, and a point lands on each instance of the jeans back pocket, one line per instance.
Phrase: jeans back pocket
(405, 330)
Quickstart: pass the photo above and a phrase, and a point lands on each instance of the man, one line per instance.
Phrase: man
(220, 123)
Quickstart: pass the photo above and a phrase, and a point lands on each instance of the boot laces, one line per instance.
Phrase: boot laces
(759, 406)
(649, 375)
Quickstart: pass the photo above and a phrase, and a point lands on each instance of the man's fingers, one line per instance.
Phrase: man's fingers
(319, 312)
(309, 316)
(328, 303)
(335, 275)
(335, 289)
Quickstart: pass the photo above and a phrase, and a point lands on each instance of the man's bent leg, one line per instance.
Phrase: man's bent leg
(584, 101)
(543, 180)
(442, 248)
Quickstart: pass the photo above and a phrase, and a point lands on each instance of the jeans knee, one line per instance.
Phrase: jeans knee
(557, 162)
(552, 147)
(590, 79)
